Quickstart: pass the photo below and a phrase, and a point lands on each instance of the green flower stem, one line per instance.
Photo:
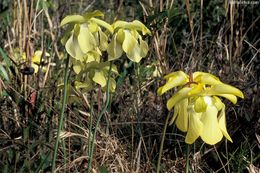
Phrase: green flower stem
(187, 159)
(61, 115)
(162, 143)
(98, 121)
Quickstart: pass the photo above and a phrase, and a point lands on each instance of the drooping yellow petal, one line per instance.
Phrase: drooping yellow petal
(195, 127)
(173, 80)
(93, 27)
(200, 105)
(129, 42)
(143, 48)
(177, 73)
(211, 133)
(99, 78)
(175, 114)
(218, 103)
(180, 95)
(77, 66)
(120, 36)
(230, 97)
(225, 89)
(222, 123)
(135, 25)
(92, 56)
(73, 48)
(103, 24)
(72, 18)
(140, 26)
(206, 78)
(86, 39)
(182, 117)
(103, 44)
(114, 49)
(135, 54)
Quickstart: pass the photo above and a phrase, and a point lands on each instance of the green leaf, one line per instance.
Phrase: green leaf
(83, 85)
(72, 19)
(6, 58)
(102, 169)
(3, 73)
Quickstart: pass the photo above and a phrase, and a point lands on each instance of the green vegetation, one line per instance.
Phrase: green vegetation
(69, 104)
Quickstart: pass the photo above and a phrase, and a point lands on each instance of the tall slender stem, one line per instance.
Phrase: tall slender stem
(162, 143)
(187, 159)
(98, 120)
(61, 115)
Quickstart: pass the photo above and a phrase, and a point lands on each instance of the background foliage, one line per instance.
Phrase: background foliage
(211, 36)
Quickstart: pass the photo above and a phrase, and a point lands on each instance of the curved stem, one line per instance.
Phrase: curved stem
(61, 115)
(162, 143)
(98, 121)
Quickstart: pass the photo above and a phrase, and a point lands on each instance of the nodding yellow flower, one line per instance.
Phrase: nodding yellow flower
(36, 60)
(198, 109)
(127, 38)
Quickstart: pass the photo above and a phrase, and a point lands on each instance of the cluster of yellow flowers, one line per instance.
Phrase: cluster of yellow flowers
(198, 109)
(88, 36)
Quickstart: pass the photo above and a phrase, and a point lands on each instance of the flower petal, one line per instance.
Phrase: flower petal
(99, 78)
(72, 18)
(200, 105)
(195, 127)
(225, 89)
(230, 97)
(114, 49)
(222, 123)
(211, 133)
(73, 48)
(129, 42)
(180, 95)
(182, 117)
(173, 80)
(103, 24)
(86, 40)
(218, 103)
(206, 78)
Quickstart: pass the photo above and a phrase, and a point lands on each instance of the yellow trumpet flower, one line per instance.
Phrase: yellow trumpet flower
(197, 107)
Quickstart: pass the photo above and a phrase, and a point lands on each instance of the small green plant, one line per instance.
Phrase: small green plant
(198, 110)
